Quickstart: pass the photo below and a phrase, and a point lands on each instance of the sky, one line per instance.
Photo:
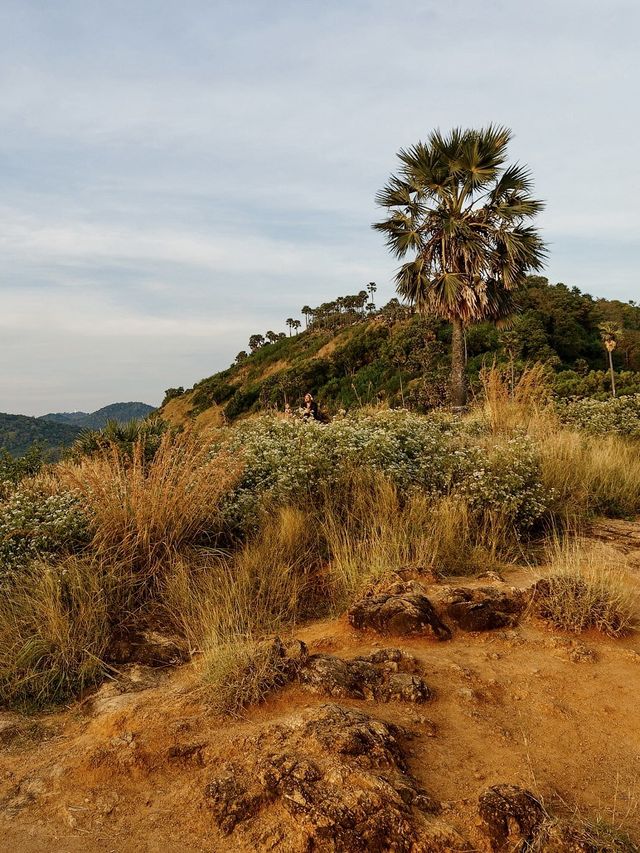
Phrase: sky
(175, 176)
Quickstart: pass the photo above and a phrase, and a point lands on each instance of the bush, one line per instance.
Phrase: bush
(146, 435)
(34, 523)
(240, 673)
(288, 461)
(143, 512)
(587, 588)
(620, 415)
(55, 627)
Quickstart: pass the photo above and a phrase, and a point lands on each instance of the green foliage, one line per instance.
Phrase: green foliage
(13, 470)
(19, 432)
(619, 415)
(290, 462)
(35, 524)
(124, 436)
(171, 393)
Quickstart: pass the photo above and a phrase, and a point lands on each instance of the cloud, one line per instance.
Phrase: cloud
(178, 176)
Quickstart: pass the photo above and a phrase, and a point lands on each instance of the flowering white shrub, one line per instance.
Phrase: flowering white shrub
(33, 525)
(290, 460)
(618, 414)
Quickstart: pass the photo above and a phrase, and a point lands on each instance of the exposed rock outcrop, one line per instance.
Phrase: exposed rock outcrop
(511, 816)
(402, 609)
(482, 608)
(331, 779)
(385, 675)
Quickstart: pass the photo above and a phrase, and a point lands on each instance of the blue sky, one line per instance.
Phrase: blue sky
(176, 176)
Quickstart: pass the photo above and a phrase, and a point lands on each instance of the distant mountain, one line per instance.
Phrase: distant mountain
(120, 412)
(19, 432)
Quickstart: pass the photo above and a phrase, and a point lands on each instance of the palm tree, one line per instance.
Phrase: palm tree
(289, 323)
(610, 334)
(308, 312)
(460, 211)
(296, 325)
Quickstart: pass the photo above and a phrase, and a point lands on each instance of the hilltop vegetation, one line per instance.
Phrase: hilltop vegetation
(353, 354)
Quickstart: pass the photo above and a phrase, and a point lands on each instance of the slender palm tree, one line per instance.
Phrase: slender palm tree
(461, 213)
(289, 323)
(611, 335)
(308, 312)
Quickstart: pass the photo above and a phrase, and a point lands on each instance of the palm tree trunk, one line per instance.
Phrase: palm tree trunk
(458, 388)
(613, 379)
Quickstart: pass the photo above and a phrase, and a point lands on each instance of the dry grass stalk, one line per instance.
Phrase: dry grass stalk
(589, 587)
(144, 512)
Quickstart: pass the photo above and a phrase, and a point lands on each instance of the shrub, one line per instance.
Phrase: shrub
(34, 523)
(619, 415)
(142, 512)
(290, 462)
(142, 434)
(242, 672)
(54, 629)
(588, 588)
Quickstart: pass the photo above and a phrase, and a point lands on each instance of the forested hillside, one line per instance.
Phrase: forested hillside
(352, 353)
(120, 412)
(19, 432)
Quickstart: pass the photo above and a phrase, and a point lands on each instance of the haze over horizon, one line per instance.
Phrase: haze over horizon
(178, 176)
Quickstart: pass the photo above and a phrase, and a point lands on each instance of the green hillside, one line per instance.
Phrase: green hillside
(19, 432)
(120, 412)
(353, 354)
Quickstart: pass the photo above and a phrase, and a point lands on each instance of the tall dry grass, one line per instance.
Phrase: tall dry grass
(588, 475)
(589, 586)
(55, 624)
(526, 405)
(144, 512)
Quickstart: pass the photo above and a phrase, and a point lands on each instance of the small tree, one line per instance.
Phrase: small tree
(271, 337)
(255, 342)
(308, 312)
(242, 356)
(296, 325)
(611, 334)
(290, 323)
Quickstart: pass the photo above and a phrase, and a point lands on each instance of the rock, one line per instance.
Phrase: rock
(400, 610)
(482, 608)
(338, 781)
(147, 647)
(511, 816)
(374, 677)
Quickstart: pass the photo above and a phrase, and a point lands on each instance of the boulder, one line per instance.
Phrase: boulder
(482, 608)
(511, 816)
(328, 779)
(386, 675)
(403, 609)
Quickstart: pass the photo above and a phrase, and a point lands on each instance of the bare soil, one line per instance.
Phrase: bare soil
(126, 771)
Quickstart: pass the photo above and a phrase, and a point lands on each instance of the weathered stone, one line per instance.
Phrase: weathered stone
(511, 816)
(148, 648)
(483, 608)
(338, 780)
(398, 612)
(376, 677)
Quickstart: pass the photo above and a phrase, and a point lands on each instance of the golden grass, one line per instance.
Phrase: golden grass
(55, 627)
(526, 405)
(589, 587)
(241, 672)
(588, 474)
(144, 512)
